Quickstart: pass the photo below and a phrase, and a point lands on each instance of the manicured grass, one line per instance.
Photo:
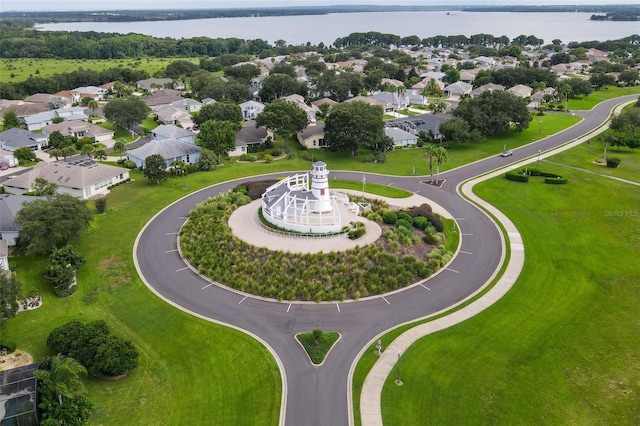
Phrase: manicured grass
(586, 154)
(150, 123)
(561, 346)
(23, 68)
(371, 188)
(318, 350)
(237, 381)
(408, 113)
(597, 96)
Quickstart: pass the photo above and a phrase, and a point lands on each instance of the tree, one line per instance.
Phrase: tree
(494, 113)
(430, 153)
(24, 154)
(88, 150)
(277, 86)
(217, 136)
(599, 80)
(68, 151)
(351, 125)
(126, 112)
(114, 357)
(10, 289)
(55, 152)
(93, 104)
(10, 119)
(627, 122)
(57, 140)
(63, 377)
(282, 117)
(221, 111)
(100, 154)
(457, 130)
(44, 188)
(155, 168)
(207, 160)
(45, 223)
(177, 69)
(432, 88)
(452, 75)
(120, 147)
(441, 156)
(629, 76)
(67, 255)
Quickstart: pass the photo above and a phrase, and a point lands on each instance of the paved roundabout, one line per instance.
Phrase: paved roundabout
(321, 395)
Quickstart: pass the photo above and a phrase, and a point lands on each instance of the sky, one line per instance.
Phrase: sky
(62, 5)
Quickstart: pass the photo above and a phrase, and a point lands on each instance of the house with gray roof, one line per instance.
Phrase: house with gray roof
(489, 87)
(312, 136)
(392, 101)
(15, 138)
(187, 104)
(251, 109)
(153, 84)
(79, 129)
(175, 116)
(427, 123)
(10, 205)
(86, 179)
(169, 131)
(162, 96)
(249, 135)
(521, 91)
(401, 138)
(169, 149)
(38, 121)
(457, 89)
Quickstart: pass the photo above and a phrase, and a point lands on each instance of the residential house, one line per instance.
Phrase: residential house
(169, 149)
(175, 116)
(8, 158)
(169, 131)
(38, 121)
(41, 98)
(457, 89)
(83, 178)
(467, 76)
(162, 97)
(251, 109)
(4, 259)
(414, 97)
(521, 91)
(489, 87)
(153, 84)
(10, 205)
(94, 92)
(484, 61)
(22, 108)
(392, 82)
(401, 138)
(392, 101)
(427, 123)
(15, 138)
(387, 108)
(319, 102)
(313, 136)
(300, 102)
(79, 129)
(249, 135)
(189, 105)
(208, 101)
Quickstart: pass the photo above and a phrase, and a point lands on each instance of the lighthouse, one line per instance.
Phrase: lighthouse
(320, 187)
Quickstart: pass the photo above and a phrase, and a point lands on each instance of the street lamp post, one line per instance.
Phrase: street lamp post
(538, 162)
(398, 379)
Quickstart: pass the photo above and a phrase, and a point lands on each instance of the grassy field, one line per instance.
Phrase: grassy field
(597, 96)
(561, 346)
(19, 69)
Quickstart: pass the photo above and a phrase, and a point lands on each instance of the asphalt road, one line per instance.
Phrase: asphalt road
(318, 395)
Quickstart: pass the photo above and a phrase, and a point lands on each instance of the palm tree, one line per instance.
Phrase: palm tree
(120, 147)
(63, 377)
(441, 157)
(55, 152)
(87, 150)
(93, 105)
(430, 152)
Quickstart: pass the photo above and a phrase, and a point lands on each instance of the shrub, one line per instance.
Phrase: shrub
(431, 239)
(435, 221)
(402, 223)
(421, 210)
(405, 216)
(101, 205)
(613, 162)
(191, 168)
(248, 157)
(555, 181)
(7, 345)
(420, 222)
(268, 158)
(420, 143)
(389, 217)
(276, 152)
(517, 177)
(129, 164)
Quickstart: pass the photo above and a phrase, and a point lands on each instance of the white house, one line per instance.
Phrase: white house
(15, 138)
(251, 109)
(169, 149)
(458, 89)
(84, 179)
(169, 131)
(79, 129)
(313, 136)
(248, 135)
(401, 138)
(38, 121)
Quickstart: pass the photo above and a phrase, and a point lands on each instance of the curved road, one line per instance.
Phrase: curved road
(318, 395)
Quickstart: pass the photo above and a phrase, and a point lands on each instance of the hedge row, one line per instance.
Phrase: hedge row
(613, 162)
(517, 177)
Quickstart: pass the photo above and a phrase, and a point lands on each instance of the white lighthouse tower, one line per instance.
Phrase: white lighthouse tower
(320, 187)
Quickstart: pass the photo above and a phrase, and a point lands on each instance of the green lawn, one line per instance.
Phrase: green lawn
(372, 188)
(597, 96)
(561, 346)
(238, 381)
(23, 68)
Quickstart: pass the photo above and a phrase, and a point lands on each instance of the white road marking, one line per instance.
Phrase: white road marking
(289, 307)
(391, 184)
(415, 192)
(182, 269)
(207, 286)
(172, 233)
(242, 300)
(338, 306)
(183, 217)
(171, 251)
(383, 298)
(422, 285)
(467, 235)
(452, 270)
(465, 252)
(459, 218)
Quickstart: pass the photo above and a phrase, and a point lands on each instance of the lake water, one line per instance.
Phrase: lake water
(296, 30)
